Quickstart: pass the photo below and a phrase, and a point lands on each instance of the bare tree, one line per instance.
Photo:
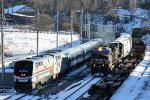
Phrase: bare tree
(45, 22)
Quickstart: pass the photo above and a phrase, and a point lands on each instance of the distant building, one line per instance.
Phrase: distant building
(20, 14)
(107, 32)
(21, 9)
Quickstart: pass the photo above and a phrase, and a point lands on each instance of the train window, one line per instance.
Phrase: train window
(41, 63)
(51, 71)
(137, 42)
(56, 58)
(23, 67)
(59, 57)
(113, 45)
(102, 61)
(36, 64)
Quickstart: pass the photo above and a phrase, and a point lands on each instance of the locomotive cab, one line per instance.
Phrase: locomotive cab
(116, 49)
(114, 46)
(23, 72)
(99, 61)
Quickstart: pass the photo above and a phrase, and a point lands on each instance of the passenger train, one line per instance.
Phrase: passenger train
(43, 68)
(105, 58)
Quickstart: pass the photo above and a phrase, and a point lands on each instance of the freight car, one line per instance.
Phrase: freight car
(138, 45)
(105, 58)
(43, 68)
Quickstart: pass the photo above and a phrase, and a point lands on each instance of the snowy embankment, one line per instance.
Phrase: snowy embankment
(20, 45)
(17, 43)
(138, 16)
(137, 85)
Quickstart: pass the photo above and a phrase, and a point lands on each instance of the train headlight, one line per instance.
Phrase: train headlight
(22, 74)
(100, 49)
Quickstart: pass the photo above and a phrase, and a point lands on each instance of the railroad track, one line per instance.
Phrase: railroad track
(83, 88)
(22, 96)
(15, 96)
(78, 94)
(86, 92)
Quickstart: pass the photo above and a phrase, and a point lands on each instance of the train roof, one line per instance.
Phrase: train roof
(88, 44)
(123, 37)
(37, 58)
(71, 51)
(78, 49)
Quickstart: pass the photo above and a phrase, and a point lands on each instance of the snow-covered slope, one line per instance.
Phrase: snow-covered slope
(23, 43)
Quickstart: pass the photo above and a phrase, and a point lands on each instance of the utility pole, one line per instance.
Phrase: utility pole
(72, 27)
(81, 24)
(85, 25)
(57, 29)
(2, 41)
(12, 5)
(38, 32)
(89, 26)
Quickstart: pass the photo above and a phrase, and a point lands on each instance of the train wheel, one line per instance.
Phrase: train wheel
(57, 75)
(49, 79)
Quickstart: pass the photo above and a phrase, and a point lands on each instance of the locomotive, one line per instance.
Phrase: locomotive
(43, 68)
(105, 58)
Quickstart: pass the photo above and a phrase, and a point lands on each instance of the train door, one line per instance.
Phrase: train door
(120, 50)
(57, 65)
(117, 51)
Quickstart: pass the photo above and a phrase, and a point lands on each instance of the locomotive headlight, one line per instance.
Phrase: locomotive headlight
(100, 49)
(22, 74)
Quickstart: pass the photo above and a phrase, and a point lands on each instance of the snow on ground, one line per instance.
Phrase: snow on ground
(83, 68)
(4, 95)
(146, 39)
(140, 13)
(137, 22)
(23, 43)
(29, 97)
